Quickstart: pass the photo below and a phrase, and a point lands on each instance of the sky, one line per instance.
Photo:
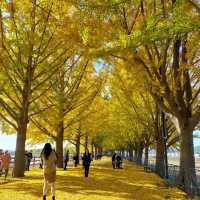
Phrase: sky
(197, 140)
(9, 142)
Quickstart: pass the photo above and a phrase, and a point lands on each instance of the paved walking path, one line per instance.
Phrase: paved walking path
(104, 183)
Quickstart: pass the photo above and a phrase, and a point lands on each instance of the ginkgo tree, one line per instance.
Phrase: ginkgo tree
(135, 99)
(89, 118)
(135, 108)
(72, 91)
(155, 36)
(48, 50)
(32, 49)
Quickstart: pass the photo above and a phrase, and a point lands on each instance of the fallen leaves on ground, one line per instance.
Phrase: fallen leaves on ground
(104, 183)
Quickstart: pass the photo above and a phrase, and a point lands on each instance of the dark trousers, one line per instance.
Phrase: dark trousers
(75, 163)
(6, 173)
(87, 167)
(113, 164)
(28, 165)
(65, 165)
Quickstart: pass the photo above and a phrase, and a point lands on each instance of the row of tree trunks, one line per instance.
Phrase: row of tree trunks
(96, 150)
(139, 153)
(187, 173)
(136, 154)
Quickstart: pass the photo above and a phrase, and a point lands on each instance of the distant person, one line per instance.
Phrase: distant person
(92, 156)
(34, 161)
(99, 156)
(86, 162)
(29, 158)
(66, 159)
(6, 158)
(1, 161)
(114, 160)
(49, 160)
(26, 160)
(119, 162)
(75, 158)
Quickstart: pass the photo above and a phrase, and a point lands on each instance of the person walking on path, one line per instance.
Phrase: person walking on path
(119, 162)
(66, 159)
(114, 160)
(86, 162)
(76, 158)
(29, 158)
(6, 158)
(26, 160)
(49, 160)
(1, 161)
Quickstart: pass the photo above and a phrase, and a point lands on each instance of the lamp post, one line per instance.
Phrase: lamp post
(164, 135)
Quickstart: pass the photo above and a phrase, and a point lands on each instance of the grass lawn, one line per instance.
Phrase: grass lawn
(104, 183)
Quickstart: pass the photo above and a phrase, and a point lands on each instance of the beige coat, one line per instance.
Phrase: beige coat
(50, 167)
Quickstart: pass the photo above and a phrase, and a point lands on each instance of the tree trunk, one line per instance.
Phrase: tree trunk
(59, 144)
(86, 142)
(126, 154)
(19, 166)
(187, 175)
(135, 155)
(130, 154)
(95, 152)
(78, 142)
(92, 148)
(146, 156)
(139, 156)
(160, 149)
(101, 150)
(160, 155)
(123, 153)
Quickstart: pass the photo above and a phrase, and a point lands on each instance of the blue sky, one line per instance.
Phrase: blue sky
(197, 140)
(9, 142)
(99, 65)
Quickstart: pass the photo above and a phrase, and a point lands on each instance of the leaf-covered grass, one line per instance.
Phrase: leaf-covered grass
(104, 183)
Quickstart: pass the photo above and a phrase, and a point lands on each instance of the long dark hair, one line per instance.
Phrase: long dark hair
(47, 150)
